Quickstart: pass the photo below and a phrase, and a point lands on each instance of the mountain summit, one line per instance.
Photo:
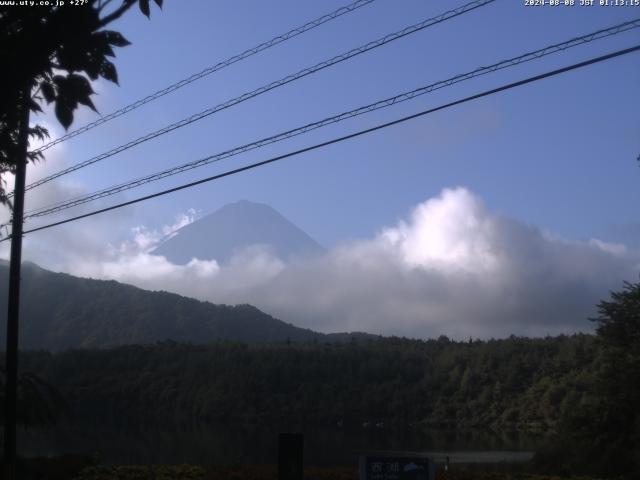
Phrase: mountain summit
(234, 227)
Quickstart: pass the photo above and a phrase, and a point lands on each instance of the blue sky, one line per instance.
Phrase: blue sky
(558, 154)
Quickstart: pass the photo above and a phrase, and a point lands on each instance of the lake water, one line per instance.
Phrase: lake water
(224, 445)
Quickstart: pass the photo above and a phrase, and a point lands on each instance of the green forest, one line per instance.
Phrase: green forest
(515, 383)
(582, 390)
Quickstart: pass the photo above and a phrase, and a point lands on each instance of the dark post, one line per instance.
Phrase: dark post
(13, 311)
(290, 456)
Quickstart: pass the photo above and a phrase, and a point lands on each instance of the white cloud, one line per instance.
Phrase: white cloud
(131, 262)
(613, 248)
(153, 272)
(452, 267)
(145, 240)
(61, 248)
(451, 232)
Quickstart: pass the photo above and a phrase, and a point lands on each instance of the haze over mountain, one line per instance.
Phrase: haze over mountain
(233, 227)
(60, 311)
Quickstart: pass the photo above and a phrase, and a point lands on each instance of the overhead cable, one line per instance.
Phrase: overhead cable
(599, 34)
(343, 138)
(211, 69)
(266, 88)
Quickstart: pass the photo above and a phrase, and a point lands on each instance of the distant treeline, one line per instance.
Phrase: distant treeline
(583, 388)
(515, 383)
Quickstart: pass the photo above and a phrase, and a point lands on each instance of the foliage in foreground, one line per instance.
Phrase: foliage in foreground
(52, 54)
(84, 468)
(602, 435)
(269, 472)
(139, 472)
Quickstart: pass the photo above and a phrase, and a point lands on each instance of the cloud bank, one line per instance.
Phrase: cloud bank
(61, 248)
(451, 267)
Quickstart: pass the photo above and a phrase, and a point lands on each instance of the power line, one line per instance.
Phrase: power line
(266, 88)
(343, 138)
(599, 34)
(212, 69)
(302, 73)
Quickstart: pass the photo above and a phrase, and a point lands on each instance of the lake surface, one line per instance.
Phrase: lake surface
(225, 445)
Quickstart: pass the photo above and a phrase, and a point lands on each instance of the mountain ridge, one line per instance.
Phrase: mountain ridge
(61, 311)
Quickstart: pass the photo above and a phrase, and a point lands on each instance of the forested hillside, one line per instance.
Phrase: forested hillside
(62, 311)
(515, 383)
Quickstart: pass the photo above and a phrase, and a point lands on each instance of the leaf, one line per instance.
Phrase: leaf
(39, 131)
(80, 84)
(64, 114)
(159, 3)
(73, 56)
(108, 71)
(87, 55)
(93, 69)
(144, 8)
(87, 102)
(48, 91)
(71, 89)
(35, 107)
(33, 156)
(116, 39)
(59, 80)
(101, 45)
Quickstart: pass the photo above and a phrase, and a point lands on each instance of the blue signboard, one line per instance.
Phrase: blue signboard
(396, 467)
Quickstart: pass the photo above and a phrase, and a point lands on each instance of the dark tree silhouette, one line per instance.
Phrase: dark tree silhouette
(601, 436)
(54, 53)
(48, 54)
(619, 379)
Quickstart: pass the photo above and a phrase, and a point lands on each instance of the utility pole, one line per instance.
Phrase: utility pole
(13, 311)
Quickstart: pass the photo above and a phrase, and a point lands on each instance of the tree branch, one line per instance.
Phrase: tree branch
(102, 5)
(126, 5)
